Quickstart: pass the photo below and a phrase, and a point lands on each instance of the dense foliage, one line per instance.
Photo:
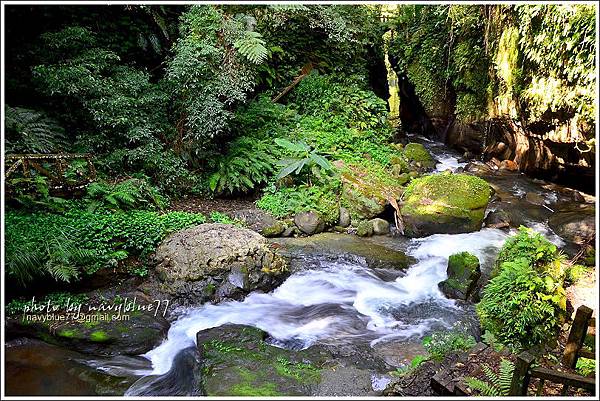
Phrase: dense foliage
(534, 63)
(524, 303)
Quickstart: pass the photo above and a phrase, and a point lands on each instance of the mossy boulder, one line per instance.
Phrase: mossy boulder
(444, 203)
(362, 202)
(366, 193)
(463, 273)
(239, 361)
(380, 226)
(364, 229)
(417, 153)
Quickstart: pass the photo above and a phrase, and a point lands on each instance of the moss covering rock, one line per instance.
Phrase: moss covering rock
(463, 273)
(444, 203)
(238, 361)
(417, 153)
(364, 229)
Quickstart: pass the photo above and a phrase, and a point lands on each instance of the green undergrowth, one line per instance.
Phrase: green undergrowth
(68, 245)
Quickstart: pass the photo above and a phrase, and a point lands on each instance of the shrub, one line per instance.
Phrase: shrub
(286, 202)
(523, 304)
(131, 193)
(535, 249)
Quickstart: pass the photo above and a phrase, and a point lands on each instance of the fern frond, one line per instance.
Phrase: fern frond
(252, 46)
(486, 389)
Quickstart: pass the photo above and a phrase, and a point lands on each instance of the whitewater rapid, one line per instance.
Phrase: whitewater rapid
(339, 301)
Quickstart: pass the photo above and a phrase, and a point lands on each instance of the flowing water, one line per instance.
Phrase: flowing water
(343, 301)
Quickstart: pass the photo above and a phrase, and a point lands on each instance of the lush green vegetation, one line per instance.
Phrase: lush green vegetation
(525, 302)
(529, 59)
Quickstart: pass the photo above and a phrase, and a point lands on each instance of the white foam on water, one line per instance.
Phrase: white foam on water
(337, 300)
(447, 162)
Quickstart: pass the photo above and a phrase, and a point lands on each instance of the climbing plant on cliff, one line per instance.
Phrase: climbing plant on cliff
(534, 63)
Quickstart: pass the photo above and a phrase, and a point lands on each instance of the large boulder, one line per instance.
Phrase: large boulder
(365, 195)
(216, 261)
(575, 223)
(309, 222)
(463, 273)
(444, 203)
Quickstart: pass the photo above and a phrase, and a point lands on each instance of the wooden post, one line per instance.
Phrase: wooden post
(520, 379)
(577, 335)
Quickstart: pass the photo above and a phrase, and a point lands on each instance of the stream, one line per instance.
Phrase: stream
(342, 302)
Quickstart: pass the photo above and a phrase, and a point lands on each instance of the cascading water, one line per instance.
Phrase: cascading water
(344, 301)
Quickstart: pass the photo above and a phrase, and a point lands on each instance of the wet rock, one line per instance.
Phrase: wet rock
(364, 229)
(444, 203)
(575, 224)
(497, 219)
(239, 361)
(463, 272)
(477, 168)
(205, 263)
(345, 218)
(335, 245)
(380, 226)
(534, 198)
(309, 222)
(115, 332)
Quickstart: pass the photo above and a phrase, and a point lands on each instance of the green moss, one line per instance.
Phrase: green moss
(302, 372)
(416, 152)
(265, 390)
(364, 229)
(67, 333)
(457, 195)
(99, 336)
(461, 263)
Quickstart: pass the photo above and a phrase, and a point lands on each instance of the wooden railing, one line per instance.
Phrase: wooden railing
(52, 166)
(524, 371)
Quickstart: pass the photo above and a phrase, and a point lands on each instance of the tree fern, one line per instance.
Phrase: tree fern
(252, 46)
(32, 131)
(497, 384)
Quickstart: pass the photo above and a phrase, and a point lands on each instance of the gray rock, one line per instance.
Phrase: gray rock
(259, 221)
(192, 261)
(380, 226)
(497, 219)
(309, 222)
(344, 217)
